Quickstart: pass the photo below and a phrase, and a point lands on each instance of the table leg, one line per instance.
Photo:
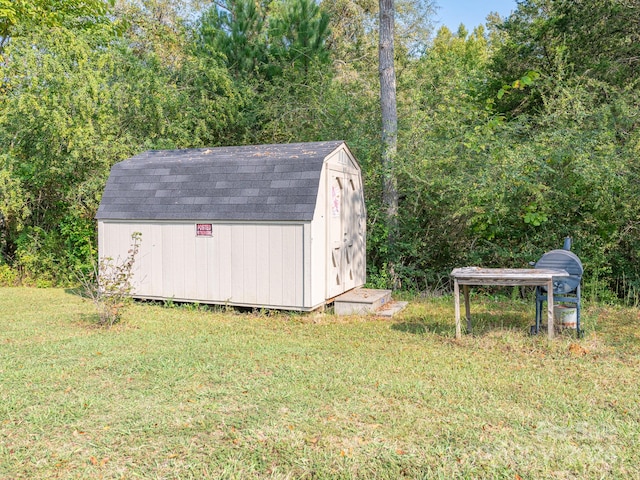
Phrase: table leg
(550, 329)
(456, 299)
(467, 308)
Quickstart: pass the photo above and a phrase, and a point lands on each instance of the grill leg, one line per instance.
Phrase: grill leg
(578, 329)
(536, 328)
(467, 307)
(456, 299)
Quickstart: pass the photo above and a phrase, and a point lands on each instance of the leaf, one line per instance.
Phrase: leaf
(313, 440)
(577, 349)
(93, 460)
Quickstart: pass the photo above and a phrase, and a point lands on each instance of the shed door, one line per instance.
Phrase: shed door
(355, 231)
(343, 223)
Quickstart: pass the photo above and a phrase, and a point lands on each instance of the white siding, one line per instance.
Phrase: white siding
(263, 266)
(155, 269)
(224, 263)
(306, 268)
(318, 246)
(241, 264)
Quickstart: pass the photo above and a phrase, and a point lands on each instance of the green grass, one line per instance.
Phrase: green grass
(188, 393)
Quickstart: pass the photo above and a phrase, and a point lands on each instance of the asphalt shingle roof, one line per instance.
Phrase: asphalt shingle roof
(264, 182)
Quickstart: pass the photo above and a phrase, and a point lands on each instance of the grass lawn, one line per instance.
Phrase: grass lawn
(194, 393)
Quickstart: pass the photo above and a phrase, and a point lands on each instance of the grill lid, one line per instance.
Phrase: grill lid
(563, 260)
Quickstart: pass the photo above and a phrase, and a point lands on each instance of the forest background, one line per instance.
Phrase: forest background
(510, 137)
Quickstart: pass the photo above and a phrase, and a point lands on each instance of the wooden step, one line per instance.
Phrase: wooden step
(391, 308)
(361, 301)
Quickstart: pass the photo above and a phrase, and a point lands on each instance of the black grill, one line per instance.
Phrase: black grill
(565, 289)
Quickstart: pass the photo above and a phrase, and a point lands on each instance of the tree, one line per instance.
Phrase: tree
(413, 26)
(389, 112)
(236, 29)
(445, 137)
(13, 210)
(352, 22)
(258, 39)
(602, 37)
(595, 39)
(298, 34)
(19, 16)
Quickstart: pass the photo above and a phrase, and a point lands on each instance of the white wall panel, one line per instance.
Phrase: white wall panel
(243, 264)
(289, 267)
(263, 265)
(249, 270)
(213, 266)
(224, 255)
(155, 269)
(236, 274)
(191, 261)
(276, 267)
(202, 266)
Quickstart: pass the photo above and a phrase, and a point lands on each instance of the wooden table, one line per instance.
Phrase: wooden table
(502, 276)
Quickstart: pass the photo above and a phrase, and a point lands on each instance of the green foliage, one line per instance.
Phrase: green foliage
(298, 31)
(442, 146)
(264, 39)
(13, 209)
(478, 188)
(520, 84)
(350, 40)
(8, 276)
(236, 29)
(36, 256)
(18, 17)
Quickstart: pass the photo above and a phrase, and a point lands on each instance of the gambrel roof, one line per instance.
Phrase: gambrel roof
(264, 182)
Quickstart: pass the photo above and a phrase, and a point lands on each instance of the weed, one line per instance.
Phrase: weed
(109, 285)
(8, 276)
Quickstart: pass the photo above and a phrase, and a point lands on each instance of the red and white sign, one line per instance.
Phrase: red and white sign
(204, 230)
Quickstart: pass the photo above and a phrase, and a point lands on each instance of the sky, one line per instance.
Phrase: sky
(470, 12)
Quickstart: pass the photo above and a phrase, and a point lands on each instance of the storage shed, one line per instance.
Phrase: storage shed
(275, 226)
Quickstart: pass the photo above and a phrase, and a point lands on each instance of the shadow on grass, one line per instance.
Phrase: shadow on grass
(90, 321)
(482, 323)
(418, 326)
(76, 292)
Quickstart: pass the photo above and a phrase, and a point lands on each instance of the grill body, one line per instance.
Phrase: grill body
(565, 289)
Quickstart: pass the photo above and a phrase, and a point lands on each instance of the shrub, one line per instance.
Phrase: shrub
(109, 285)
(8, 276)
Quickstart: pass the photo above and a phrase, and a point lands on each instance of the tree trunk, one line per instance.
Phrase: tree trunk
(389, 125)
